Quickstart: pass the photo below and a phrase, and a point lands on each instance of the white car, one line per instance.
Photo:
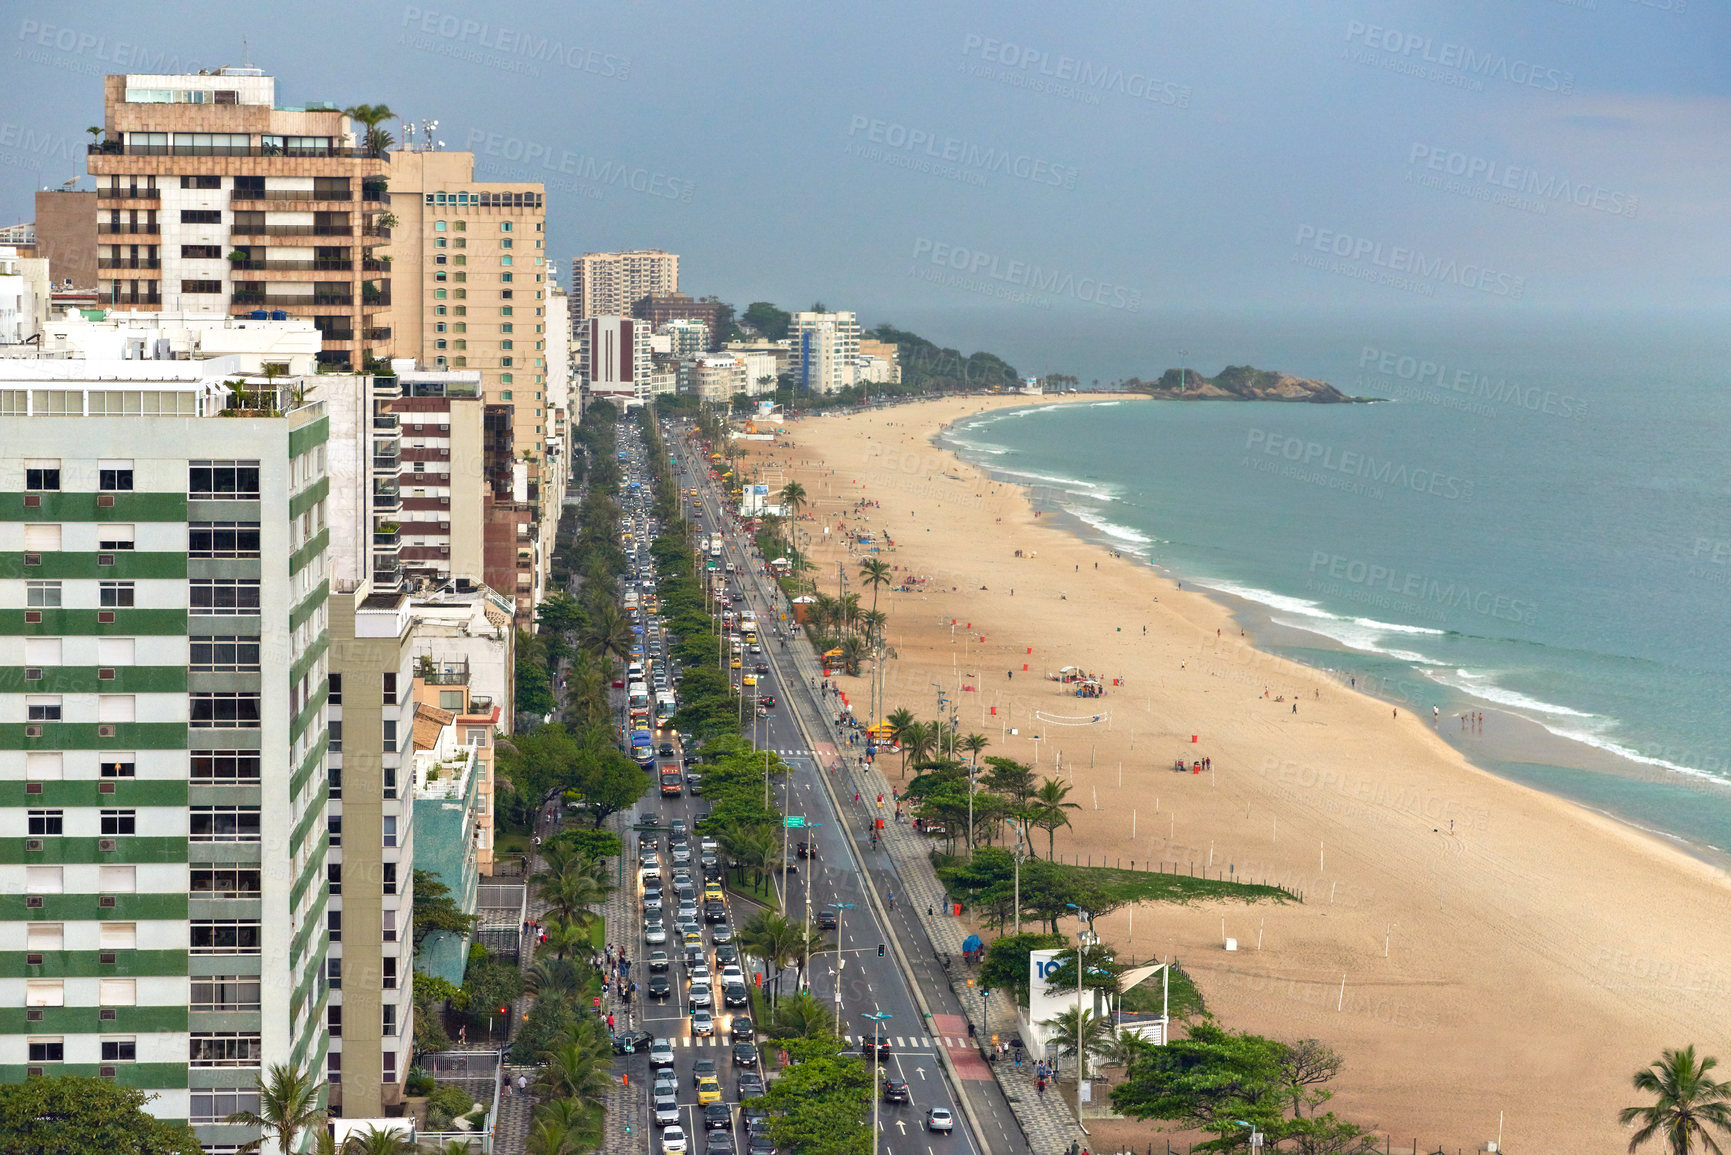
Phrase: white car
(940, 1119)
(666, 1110)
(652, 900)
(655, 933)
(673, 1141)
(732, 974)
(702, 1023)
(699, 994)
(661, 1053)
(699, 973)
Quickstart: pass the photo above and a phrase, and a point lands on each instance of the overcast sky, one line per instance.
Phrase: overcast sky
(1102, 158)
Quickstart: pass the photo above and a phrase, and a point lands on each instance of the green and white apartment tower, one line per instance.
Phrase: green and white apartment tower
(163, 677)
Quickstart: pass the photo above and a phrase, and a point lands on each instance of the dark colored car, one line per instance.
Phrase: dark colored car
(665, 750)
(717, 1117)
(631, 1042)
(826, 920)
(763, 667)
(735, 995)
(879, 1050)
(714, 912)
(745, 1054)
(718, 1143)
(805, 849)
(705, 1069)
(659, 987)
(762, 1145)
(726, 954)
(743, 1027)
(750, 1085)
(767, 701)
(896, 1090)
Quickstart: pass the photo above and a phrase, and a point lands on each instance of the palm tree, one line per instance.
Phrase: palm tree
(375, 140)
(792, 497)
(551, 1137)
(808, 940)
(1094, 1032)
(801, 1016)
(875, 573)
(1049, 804)
(566, 936)
(380, 1141)
(918, 742)
(553, 978)
(1687, 1103)
(288, 1104)
(576, 1071)
(572, 893)
(900, 723)
(775, 940)
(854, 652)
(607, 634)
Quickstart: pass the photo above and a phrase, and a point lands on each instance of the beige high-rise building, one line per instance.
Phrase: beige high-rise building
(611, 284)
(471, 256)
(212, 198)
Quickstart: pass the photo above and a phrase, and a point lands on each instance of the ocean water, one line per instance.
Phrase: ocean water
(1537, 525)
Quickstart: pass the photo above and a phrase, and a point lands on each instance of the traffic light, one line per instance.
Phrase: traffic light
(880, 950)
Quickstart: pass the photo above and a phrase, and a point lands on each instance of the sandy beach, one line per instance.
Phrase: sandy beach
(1537, 954)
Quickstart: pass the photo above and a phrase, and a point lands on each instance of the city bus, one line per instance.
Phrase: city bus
(666, 705)
(643, 748)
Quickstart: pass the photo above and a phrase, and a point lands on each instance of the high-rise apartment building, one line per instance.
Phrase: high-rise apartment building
(162, 729)
(471, 256)
(211, 198)
(66, 235)
(824, 348)
(611, 284)
(442, 475)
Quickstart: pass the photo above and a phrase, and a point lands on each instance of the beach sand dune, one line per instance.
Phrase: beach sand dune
(1537, 954)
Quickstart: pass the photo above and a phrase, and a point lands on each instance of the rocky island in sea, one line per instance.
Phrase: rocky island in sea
(1238, 383)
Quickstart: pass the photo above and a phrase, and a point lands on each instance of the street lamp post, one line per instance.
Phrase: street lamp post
(878, 1019)
(840, 961)
(1081, 1042)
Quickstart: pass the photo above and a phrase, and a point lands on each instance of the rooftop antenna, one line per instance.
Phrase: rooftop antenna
(245, 54)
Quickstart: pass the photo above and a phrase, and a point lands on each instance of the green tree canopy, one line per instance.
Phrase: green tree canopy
(78, 1115)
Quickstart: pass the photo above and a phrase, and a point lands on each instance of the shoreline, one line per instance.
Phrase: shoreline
(1522, 740)
(1526, 935)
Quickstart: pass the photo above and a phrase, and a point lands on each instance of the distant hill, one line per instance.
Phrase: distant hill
(1239, 383)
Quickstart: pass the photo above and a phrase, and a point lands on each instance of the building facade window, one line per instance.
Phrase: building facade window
(225, 711)
(225, 1049)
(218, 596)
(45, 823)
(223, 480)
(226, 767)
(222, 539)
(225, 936)
(119, 823)
(117, 594)
(41, 476)
(225, 823)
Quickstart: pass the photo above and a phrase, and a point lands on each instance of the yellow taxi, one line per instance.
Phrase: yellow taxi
(712, 892)
(736, 662)
(693, 938)
(750, 679)
(708, 1091)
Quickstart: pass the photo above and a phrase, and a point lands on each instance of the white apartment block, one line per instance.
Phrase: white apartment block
(825, 349)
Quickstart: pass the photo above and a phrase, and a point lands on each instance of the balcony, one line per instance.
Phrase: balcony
(128, 263)
(387, 538)
(378, 333)
(117, 299)
(129, 194)
(148, 228)
(337, 334)
(443, 673)
(380, 231)
(372, 266)
(282, 301)
(385, 421)
(289, 194)
(117, 148)
(323, 266)
(293, 230)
